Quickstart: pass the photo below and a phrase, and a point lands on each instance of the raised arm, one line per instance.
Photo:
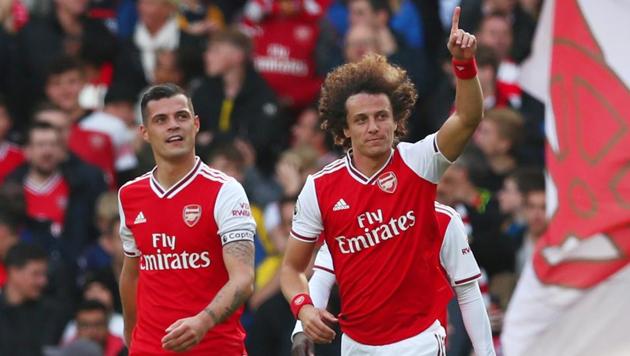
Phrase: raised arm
(459, 127)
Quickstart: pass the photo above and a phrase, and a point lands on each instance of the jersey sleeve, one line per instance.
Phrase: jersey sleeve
(307, 219)
(130, 249)
(456, 256)
(233, 214)
(323, 260)
(425, 158)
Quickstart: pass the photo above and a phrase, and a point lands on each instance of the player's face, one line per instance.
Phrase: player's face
(170, 127)
(44, 151)
(371, 125)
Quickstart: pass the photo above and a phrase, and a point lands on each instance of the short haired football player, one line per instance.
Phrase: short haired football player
(374, 207)
(456, 261)
(187, 234)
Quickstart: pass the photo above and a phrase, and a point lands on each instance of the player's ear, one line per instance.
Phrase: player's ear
(145, 134)
(196, 123)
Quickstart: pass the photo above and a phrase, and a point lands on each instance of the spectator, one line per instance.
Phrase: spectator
(112, 120)
(522, 24)
(11, 155)
(495, 32)
(91, 319)
(102, 287)
(307, 132)
(85, 183)
(285, 35)
(66, 31)
(498, 137)
(232, 100)
(8, 238)
(105, 255)
(479, 212)
(200, 18)
(63, 86)
(28, 321)
(535, 217)
(156, 30)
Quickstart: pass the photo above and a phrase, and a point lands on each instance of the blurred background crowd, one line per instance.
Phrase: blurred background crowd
(71, 72)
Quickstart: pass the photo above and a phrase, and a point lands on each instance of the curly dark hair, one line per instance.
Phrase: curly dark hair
(372, 75)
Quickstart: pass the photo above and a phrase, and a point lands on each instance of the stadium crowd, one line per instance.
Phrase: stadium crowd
(72, 72)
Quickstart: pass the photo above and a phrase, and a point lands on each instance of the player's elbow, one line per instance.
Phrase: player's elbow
(245, 282)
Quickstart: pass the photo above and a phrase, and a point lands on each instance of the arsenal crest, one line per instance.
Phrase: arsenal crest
(387, 182)
(192, 214)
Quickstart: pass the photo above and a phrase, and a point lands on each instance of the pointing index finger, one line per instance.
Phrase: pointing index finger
(455, 21)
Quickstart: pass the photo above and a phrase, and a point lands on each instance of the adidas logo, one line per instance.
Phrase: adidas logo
(140, 219)
(341, 205)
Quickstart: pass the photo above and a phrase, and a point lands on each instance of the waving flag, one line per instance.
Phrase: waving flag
(574, 297)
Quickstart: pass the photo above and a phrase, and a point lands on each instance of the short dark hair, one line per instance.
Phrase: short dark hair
(22, 253)
(37, 126)
(8, 221)
(234, 37)
(372, 75)
(161, 91)
(486, 56)
(378, 5)
(90, 305)
(118, 93)
(63, 64)
(230, 152)
(529, 179)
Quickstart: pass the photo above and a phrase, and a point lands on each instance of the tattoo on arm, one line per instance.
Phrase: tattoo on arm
(243, 252)
(238, 300)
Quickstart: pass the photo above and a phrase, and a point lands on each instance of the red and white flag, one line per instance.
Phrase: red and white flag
(574, 297)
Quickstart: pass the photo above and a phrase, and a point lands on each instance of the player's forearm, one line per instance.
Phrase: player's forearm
(238, 257)
(128, 290)
(469, 103)
(292, 281)
(228, 300)
(475, 318)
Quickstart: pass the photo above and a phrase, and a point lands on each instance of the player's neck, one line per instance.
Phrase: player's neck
(368, 165)
(169, 172)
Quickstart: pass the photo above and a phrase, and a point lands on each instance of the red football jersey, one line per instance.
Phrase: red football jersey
(384, 239)
(95, 148)
(48, 201)
(456, 258)
(10, 158)
(178, 235)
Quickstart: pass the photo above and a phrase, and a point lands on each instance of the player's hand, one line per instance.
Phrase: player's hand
(314, 322)
(184, 334)
(461, 44)
(302, 345)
